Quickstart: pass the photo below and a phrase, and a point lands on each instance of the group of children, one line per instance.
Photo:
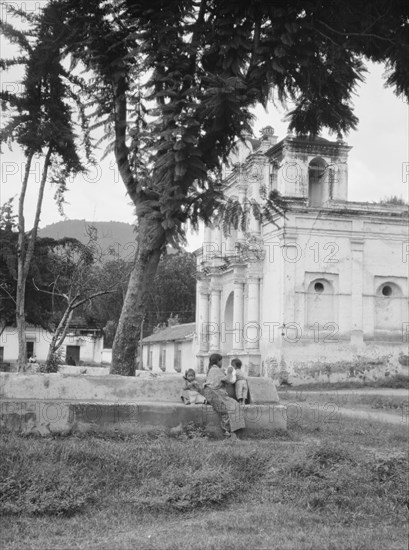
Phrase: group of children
(192, 392)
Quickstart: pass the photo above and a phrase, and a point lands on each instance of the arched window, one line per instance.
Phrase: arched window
(320, 303)
(316, 176)
(388, 307)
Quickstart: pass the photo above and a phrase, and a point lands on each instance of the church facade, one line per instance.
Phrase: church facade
(323, 283)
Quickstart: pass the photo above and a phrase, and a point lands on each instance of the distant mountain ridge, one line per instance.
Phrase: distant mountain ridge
(115, 239)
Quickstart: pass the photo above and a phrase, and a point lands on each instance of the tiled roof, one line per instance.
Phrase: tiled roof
(169, 334)
(255, 143)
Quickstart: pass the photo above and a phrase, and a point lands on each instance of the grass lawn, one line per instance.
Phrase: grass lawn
(328, 486)
(397, 381)
(396, 405)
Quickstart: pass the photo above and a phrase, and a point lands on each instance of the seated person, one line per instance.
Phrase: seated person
(241, 386)
(192, 392)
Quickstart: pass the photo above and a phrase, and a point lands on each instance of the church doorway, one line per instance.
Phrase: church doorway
(227, 333)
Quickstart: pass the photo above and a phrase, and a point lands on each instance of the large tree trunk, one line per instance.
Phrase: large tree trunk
(150, 244)
(150, 240)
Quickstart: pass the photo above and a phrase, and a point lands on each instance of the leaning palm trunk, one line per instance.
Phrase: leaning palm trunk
(150, 244)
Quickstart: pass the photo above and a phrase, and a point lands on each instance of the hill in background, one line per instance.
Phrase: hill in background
(115, 239)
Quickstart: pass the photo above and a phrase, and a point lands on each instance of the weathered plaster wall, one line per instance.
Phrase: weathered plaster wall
(90, 347)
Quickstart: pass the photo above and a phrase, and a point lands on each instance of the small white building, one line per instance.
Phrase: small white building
(83, 343)
(170, 349)
(327, 283)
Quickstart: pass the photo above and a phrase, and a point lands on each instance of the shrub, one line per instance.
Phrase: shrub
(54, 363)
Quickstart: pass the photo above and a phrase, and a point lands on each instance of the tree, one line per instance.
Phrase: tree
(37, 306)
(106, 309)
(173, 292)
(7, 256)
(204, 64)
(65, 277)
(40, 121)
(73, 283)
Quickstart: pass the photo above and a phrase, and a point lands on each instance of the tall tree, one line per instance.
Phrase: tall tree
(73, 271)
(38, 306)
(8, 239)
(173, 293)
(40, 122)
(203, 65)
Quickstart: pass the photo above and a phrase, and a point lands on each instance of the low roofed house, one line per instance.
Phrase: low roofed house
(170, 349)
(83, 343)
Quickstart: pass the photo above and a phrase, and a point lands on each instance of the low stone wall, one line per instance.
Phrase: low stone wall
(357, 368)
(63, 417)
(118, 389)
(65, 403)
(91, 371)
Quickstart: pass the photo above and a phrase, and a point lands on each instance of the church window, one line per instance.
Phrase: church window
(316, 176)
(320, 303)
(319, 287)
(389, 304)
(387, 290)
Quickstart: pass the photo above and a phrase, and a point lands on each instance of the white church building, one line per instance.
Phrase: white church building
(326, 284)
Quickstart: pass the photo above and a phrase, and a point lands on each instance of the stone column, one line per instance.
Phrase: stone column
(254, 225)
(218, 241)
(238, 315)
(252, 330)
(242, 199)
(214, 326)
(203, 318)
(292, 254)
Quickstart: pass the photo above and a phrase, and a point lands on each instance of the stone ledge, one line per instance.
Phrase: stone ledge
(113, 388)
(42, 417)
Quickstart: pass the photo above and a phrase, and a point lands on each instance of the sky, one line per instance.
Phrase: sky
(378, 160)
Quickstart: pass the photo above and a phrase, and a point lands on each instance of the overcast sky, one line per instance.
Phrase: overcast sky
(378, 162)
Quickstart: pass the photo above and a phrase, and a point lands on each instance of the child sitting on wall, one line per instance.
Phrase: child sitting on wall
(241, 386)
(192, 392)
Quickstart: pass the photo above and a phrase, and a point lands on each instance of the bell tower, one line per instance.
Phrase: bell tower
(312, 168)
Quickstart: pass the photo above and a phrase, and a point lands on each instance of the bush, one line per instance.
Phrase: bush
(54, 363)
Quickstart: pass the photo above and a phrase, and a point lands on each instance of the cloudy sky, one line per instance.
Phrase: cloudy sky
(378, 162)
